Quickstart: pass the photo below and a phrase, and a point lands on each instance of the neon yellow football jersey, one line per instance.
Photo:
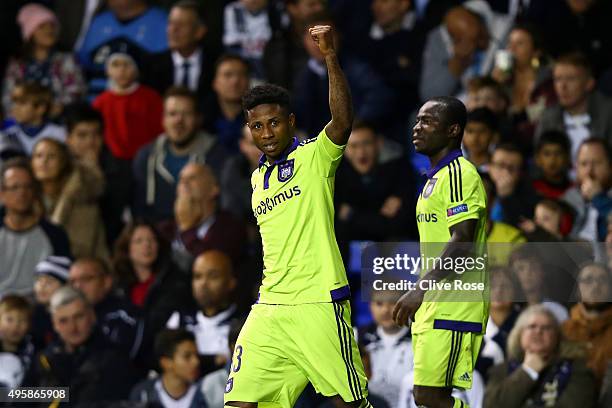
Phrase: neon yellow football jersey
(293, 202)
(453, 193)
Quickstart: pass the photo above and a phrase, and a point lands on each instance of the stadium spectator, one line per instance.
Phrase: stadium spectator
(514, 196)
(546, 224)
(50, 275)
(590, 322)
(502, 238)
(246, 30)
(213, 284)
(590, 198)
(41, 62)
(237, 179)
(284, 55)
(198, 222)
(224, 115)
(581, 112)
(393, 46)
(26, 238)
(179, 368)
(132, 112)
(371, 97)
(70, 193)
(147, 276)
(186, 63)
(370, 204)
(85, 141)
(485, 92)
(119, 320)
(527, 79)
(454, 52)
(127, 26)
(503, 312)
(538, 371)
(553, 162)
(157, 165)
(15, 322)
(480, 134)
(532, 271)
(31, 107)
(81, 358)
(389, 348)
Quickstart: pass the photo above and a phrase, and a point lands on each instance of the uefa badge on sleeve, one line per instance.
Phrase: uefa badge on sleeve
(285, 170)
(429, 187)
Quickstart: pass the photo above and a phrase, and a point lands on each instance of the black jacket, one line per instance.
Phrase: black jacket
(95, 372)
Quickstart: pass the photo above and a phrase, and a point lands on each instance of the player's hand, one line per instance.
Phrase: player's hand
(590, 188)
(391, 207)
(407, 306)
(534, 361)
(323, 36)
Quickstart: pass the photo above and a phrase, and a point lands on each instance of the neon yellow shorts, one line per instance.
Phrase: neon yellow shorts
(283, 347)
(445, 358)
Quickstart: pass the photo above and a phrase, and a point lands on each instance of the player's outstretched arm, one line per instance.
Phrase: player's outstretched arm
(340, 104)
(409, 303)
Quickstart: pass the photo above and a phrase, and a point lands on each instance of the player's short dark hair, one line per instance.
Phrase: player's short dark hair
(454, 111)
(602, 143)
(484, 116)
(267, 94)
(167, 341)
(554, 137)
(80, 112)
(182, 92)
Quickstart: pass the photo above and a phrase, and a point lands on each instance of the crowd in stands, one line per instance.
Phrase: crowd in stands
(129, 253)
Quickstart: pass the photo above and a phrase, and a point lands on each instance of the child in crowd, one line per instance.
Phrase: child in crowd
(552, 159)
(85, 127)
(480, 133)
(51, 274)
(41, 61)
(177, 386)
(15, 319)
(30, 110)
(247, 30)
(389, 347)
(132, 112)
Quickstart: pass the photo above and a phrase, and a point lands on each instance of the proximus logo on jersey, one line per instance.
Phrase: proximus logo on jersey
(266, 206)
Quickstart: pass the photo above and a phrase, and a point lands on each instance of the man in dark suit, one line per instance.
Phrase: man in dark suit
(185, 63)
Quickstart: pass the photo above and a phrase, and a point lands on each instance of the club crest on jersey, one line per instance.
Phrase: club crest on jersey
(285, 170)
(429, 187)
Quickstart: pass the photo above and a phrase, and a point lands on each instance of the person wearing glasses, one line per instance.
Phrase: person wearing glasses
(540, 371)
(26, 238)
(590, 321)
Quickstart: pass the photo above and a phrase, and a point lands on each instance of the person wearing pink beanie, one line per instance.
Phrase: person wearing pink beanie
(31, 16)
(41, 62)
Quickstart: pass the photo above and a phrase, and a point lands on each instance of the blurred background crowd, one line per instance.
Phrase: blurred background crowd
(129, 254)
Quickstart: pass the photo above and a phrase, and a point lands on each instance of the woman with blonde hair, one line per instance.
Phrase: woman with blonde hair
(539, 371)
(70, 196)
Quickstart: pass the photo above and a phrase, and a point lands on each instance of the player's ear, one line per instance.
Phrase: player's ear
(292, 120)
(455, 131)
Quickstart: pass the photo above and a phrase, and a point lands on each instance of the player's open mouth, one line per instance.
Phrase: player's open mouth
(270, 147)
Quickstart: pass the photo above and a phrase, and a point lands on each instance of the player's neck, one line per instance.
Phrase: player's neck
(436, 157)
